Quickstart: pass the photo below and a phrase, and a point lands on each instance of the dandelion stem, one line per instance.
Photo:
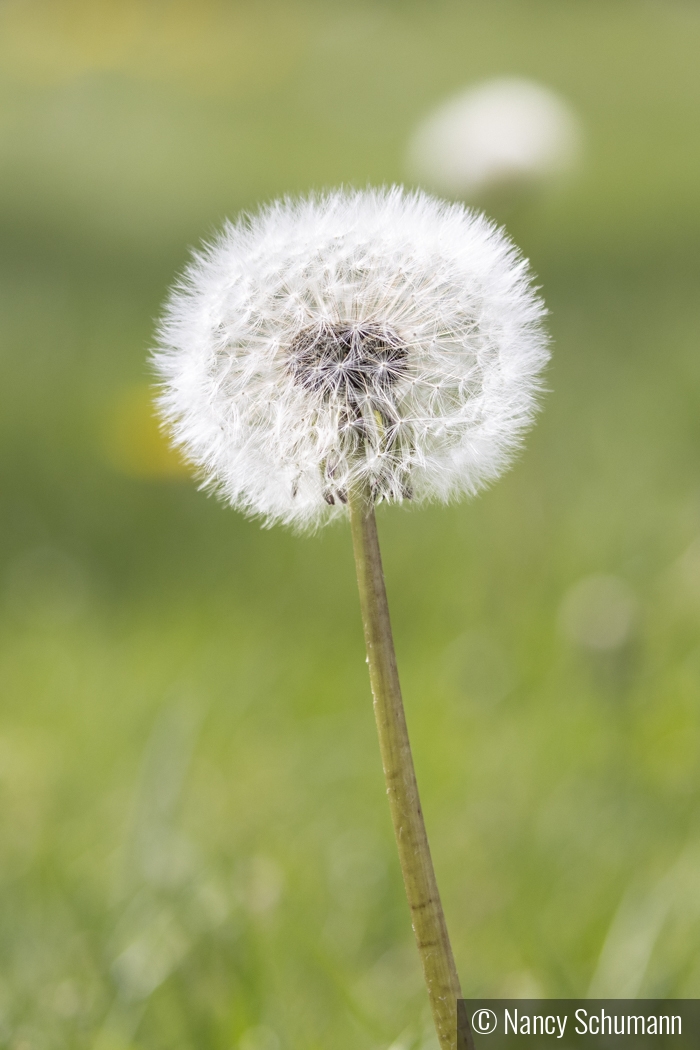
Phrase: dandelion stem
(414, 852)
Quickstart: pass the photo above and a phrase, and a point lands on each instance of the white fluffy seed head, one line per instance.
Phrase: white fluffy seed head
(380, 339)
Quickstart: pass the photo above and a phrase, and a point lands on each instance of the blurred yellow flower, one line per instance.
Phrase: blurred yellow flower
(210, 45)
(132, 439)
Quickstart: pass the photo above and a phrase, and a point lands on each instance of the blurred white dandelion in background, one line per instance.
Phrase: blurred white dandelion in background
(599, 613)
(501, 133)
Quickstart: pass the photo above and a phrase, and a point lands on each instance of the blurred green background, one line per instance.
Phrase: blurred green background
(196, 846)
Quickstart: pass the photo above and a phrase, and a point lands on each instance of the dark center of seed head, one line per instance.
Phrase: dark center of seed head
(349, 362)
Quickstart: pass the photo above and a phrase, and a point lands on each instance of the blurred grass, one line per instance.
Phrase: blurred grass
(196, 846)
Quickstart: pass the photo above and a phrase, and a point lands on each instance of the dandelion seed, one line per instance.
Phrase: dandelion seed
(338, 351)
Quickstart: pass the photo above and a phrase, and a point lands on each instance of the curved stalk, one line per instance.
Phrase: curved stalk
(414, 852)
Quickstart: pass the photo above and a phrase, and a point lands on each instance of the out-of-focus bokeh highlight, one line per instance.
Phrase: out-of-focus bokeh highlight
(196, 849)
(500, 136)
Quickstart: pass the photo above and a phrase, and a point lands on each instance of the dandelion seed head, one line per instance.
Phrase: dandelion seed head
(377, 338)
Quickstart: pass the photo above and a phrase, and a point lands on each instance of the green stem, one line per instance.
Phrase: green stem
(406, 813)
